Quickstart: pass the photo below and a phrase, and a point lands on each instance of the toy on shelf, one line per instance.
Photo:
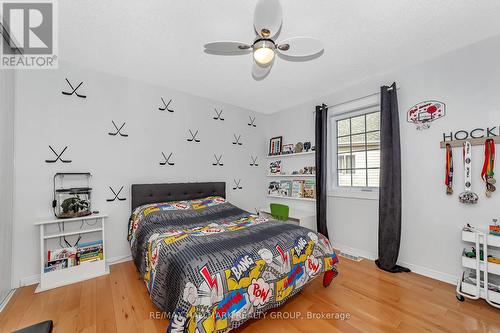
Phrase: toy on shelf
(472, 254)
(495, 228)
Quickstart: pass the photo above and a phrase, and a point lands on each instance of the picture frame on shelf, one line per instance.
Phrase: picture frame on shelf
(288, 149)
(275, 145)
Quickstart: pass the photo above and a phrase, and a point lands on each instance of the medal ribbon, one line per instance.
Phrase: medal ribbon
(449, 166)
(489, 159)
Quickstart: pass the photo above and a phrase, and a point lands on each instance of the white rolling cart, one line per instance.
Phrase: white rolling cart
(58, 228)
(482, 288)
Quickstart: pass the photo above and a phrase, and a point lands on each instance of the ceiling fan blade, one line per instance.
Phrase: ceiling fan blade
(267, 18)
(260, 72)
(228, 48)
(300, 47)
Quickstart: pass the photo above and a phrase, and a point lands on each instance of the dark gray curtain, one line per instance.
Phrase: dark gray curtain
(389, 225)
(321, 188)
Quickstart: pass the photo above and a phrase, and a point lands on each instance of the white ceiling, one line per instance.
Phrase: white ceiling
(160, 41)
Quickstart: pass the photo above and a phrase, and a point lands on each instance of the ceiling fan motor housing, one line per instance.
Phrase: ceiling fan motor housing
(264, 42)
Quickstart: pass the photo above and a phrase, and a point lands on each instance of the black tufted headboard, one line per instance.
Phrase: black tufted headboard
(143, 194)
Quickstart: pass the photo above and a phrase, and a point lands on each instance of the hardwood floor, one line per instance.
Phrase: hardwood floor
(375, 301)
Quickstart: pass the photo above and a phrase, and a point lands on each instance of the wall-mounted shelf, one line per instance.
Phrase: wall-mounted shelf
(290, 155)
(291, 198)
(473, 142)
(293, 176)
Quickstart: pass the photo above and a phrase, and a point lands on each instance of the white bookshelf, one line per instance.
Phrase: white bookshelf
(290, 198)
(291, 155)
(293, 176)
(74, 227)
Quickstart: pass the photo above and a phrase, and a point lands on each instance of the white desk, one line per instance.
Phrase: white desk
(303, 218)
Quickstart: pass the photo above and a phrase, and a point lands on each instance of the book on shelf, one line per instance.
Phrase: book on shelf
(275, 167)
(89, 252)
(67, 253)
(310, 189)
(298, 188)
(285, 188)
(55, 265)
(273, 188)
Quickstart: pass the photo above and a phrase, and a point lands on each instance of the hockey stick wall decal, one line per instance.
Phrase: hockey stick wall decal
(116, 194)
(218, 115)
(252, 121)
(237, 140)
(58, 156)
(166, 105)
(167, 159)
(74, 90)
(237, 184)
(193, 137)
(218, 161)
(254, 161)
(118, 130)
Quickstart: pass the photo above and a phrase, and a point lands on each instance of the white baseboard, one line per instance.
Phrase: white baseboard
(356, 252)
(3, 302)
(428, 272)
(34, 279)
(29, 280)
(431, 273)
(119, 259)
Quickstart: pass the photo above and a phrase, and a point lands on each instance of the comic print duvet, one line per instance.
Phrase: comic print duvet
(211, 266)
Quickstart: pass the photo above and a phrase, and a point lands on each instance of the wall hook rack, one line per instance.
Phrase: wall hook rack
(237, 140)
(116, 194)
(218, 161)
(473, 142)
(74, 90)
(58, 156)
(252, 121)
(218, 114)
(193, 137)
(118, 130)
(166, 105)
(254, 161)
(237, 184)
(167, 159)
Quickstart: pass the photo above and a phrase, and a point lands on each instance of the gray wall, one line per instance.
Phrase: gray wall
(47, 117)
(468, 81)
(7, 78)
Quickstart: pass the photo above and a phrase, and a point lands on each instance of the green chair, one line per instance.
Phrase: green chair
(280, 212)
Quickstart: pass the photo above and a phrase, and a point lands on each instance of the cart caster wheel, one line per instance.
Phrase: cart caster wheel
(460, 298)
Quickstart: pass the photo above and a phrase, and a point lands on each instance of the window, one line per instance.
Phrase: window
(358, 150)
(345, 163)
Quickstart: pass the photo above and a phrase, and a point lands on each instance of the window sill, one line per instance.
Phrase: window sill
(364, 194)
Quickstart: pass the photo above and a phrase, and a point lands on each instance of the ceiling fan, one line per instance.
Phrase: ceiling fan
(267, 24)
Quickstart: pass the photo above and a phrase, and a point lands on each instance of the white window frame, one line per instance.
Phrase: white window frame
(348, 110)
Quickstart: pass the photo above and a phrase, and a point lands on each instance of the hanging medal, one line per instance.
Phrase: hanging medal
(467, 196)
(487, 174)
(448, 181)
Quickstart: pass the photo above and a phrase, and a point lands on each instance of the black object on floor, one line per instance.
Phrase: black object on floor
(394, 269)
(43, 327)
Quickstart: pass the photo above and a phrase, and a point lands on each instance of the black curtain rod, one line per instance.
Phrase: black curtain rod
(358, 98)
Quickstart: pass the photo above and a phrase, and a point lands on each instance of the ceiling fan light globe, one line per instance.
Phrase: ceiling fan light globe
(263, 55)
(263, 52)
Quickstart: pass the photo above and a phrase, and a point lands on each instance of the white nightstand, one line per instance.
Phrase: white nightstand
(91, 224)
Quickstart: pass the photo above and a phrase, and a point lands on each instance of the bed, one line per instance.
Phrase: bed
(210, 265)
